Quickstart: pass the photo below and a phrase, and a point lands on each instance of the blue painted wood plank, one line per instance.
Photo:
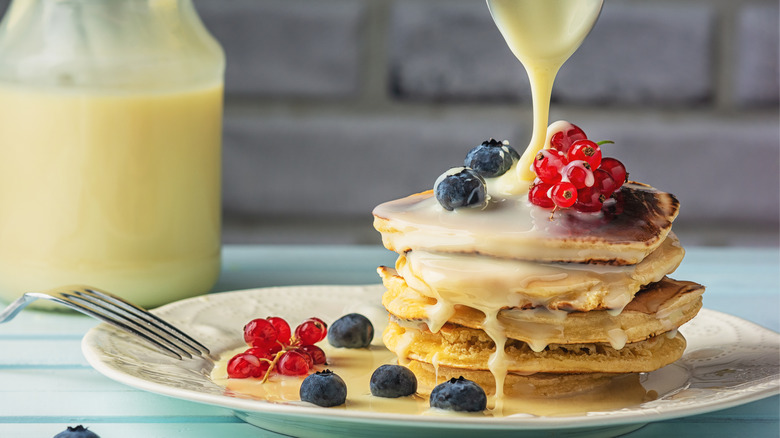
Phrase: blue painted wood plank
(757, 419)
(27, 406)
(47, 324)
(79, 380)
(41, 353)
(246, 267)
(135, 430)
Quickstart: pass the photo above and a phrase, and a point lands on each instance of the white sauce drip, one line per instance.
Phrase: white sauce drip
(509, 226)
(542, 34)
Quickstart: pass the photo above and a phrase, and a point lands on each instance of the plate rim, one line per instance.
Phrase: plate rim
(93, 357)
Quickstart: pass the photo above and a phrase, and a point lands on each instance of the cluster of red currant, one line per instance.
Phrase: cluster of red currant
(273, 347)
(572, 173)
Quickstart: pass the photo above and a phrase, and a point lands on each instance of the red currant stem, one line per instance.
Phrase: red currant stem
(272, 366)
(552, 213)
(605, 142)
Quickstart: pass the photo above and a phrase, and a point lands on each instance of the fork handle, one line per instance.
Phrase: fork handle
(14, 308)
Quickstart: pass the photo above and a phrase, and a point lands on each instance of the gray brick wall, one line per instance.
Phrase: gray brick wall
(336, 105)
(288, 49)
(757, 57)
(644, 55)
(451, 50)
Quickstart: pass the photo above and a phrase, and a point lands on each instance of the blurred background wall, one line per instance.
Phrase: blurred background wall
(333, 106)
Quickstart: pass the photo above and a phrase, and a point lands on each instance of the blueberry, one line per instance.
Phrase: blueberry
(324, 388)
(392, 381)
(460, 187)
(459, 395)
(351, 331)
(77, 432)
(492, 158)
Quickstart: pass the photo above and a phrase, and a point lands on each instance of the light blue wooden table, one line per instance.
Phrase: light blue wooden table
(46, 384)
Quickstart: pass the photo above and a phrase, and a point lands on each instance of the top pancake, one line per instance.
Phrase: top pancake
(511, 227)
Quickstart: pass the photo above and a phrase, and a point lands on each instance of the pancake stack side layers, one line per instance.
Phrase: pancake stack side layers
(527, 301)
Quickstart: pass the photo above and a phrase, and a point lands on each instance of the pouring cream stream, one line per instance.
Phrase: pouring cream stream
(542, 34)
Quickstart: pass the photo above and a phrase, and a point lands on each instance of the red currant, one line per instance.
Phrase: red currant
(537, 195)
(260, 333)
(616, 169)
(322, 323)
(563, 194)
(579, 173)
(604, 183)
(282, 329)
(587, 151)
(292, 363)
(273, 349)
(244, 365)
(311, 331)
(563, 139)
(548, 165)
(261, 353)
(307, 356)
(316, 353)
(589, 200)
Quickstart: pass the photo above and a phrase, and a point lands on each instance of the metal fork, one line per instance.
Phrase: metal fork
(116, 311)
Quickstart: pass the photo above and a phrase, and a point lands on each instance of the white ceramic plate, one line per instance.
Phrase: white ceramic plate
(728, 362)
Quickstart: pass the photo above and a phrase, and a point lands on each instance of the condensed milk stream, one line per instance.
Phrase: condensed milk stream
(542, 35)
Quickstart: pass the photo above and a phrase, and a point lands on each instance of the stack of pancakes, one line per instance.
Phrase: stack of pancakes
(515, 299)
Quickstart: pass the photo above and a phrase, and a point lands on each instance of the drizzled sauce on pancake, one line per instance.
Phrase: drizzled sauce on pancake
(356, 366)
(513, 228)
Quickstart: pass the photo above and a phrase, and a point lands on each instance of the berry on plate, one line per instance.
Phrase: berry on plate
(311, 331)
(589, 200)
(548, 165)
(564, 135)
(459, 395)
(393, 381)
(616, 169)
(245, 365)
(460, 187)
(585, 150)
(260, 333)
(316, 354)
(351, 331)
(563, 194)
(492, 158)
(274, 350)
(282, 329)
(572, 173)
(294, 363)
(324, 388)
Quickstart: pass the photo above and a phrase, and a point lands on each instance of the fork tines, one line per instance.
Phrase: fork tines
(127, 316)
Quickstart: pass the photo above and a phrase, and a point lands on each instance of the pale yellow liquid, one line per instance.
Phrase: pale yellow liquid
(542, 34)
(355, 367)
(117, 191)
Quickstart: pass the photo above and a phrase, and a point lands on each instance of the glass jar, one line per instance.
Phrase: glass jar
(110, 148)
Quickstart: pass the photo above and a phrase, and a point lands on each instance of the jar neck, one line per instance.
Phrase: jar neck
(106, 43)
(108, 8)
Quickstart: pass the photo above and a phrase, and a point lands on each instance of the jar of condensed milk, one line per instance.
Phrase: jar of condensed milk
(110, 148)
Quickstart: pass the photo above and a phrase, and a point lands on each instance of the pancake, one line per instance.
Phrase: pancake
(510, 228)
(656, 309)
(593, 386)
(470, 349)
(497, 283)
